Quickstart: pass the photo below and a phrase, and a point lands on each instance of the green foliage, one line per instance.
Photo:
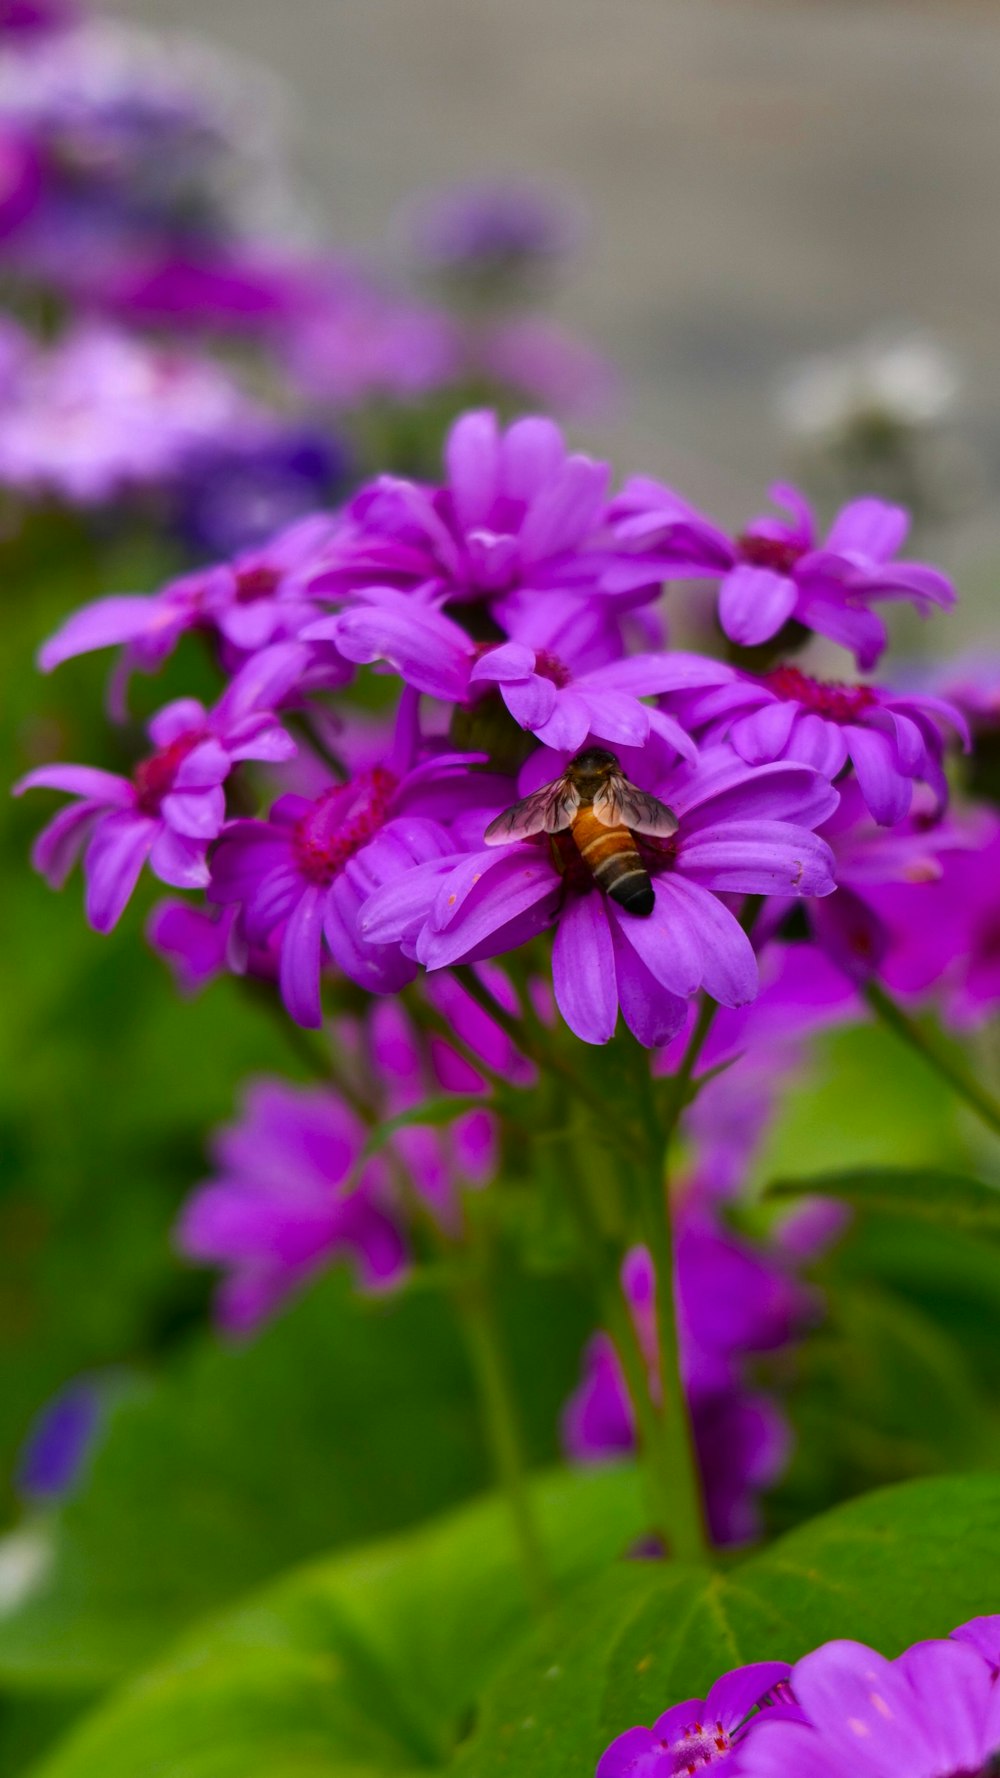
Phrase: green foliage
(947, 1200)
(343, 1421)
(371, 1662)
(909, 1562)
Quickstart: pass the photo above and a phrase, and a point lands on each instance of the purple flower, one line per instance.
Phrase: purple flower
(741, 830)
(289, 1195)
(519, 516)
(101, 413)
(195, 942)
(733, 1302)
(698, 1733)
(890, 739)
(60, 1441)
(251, 601)
(174, 805)
(491, 230)
(777, 571)
(940, 934)
(933, 1713)
(560, 673)
(302, 876)
(439, 1161)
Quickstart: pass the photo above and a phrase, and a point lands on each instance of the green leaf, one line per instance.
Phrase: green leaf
(345, 1420)
(905, 1563)
(369, 1663)
(932, 1195)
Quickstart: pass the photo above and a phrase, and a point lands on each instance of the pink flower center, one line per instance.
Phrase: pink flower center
(768, 552)
(830, 698)
(154, 777)
(549, 666)
(697, 1747)
(255, 583)
(340, 822)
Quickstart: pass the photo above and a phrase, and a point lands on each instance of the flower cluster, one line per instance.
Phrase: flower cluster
(506, 603)
(843, 1711)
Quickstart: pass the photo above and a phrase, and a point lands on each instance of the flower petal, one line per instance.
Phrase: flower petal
(870, 528)
(301, 948)
(583, 969)
(118, 849)
(754, 603)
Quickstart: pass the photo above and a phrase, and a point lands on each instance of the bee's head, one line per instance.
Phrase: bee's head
(595, 759)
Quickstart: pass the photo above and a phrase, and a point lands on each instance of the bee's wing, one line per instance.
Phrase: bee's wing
(619, 804)
(549, 810)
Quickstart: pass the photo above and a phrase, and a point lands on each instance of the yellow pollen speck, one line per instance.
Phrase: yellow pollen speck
(452, 900)
(856, 1726)
(477, 876)
(644, 1665)
(881, 1706)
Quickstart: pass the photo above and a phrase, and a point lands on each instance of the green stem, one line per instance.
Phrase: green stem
(680, 1475)
(934, 1053)
(538, 1049)
(501, 1420)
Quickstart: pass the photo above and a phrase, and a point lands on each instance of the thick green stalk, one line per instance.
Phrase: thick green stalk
(934, 1053)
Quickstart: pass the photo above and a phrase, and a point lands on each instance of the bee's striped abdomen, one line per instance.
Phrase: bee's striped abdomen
(612, 857)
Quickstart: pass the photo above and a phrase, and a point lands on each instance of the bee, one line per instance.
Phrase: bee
(592, 815)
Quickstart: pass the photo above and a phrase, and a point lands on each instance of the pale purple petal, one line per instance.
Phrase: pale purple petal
(668, 940)
(729, 966)
(531, 702)
(178, 860)
(652, 1014)
(472, 460)
(870, 528)
(734, 1695)
(301, 948)
(754, 603)
(184, 716)
(569, 723)
(101, 625)
(87, 781)
(508, 661)
(59, 845)
(886, 792)
(199, 814)
(583, 969)
(758, 858)
(118, 849)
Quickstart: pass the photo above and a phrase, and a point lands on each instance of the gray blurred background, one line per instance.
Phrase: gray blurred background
(764, 178)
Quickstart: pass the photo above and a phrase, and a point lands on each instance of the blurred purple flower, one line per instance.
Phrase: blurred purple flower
(60, 1441)
(174, 804)
(488, 228)
(289, 1196)
(732, 1302)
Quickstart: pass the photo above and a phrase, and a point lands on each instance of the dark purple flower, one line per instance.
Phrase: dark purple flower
(933, 1713)
(741, 830)
(698, 1733)
(237, 496)
(174, 804)
(890, 739)
(777, 570)
(60, 1441)
(491, 229)
(290, 1193)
